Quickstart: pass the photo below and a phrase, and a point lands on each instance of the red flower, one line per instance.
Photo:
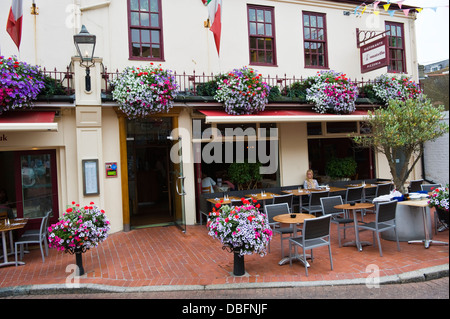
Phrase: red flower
(69, 210)
(218, 205)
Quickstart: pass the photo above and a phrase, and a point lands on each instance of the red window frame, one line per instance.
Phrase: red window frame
(396, 45)
(315, 49)
(261, 35)
(145, 31)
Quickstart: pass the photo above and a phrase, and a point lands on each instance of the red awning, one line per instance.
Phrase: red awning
(276, 116)
(28, 121)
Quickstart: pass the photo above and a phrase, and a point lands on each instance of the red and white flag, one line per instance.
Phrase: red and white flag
(14, 25)
(215, 19)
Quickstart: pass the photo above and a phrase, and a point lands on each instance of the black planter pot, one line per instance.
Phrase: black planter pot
(239, 265)
(79, 261)
(443, 215)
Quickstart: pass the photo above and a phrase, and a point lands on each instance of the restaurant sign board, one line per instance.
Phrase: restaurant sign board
(374, 55)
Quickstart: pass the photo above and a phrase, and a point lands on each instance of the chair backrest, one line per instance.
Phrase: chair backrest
(354, 194)
(383, 189)
(288, 198)
(386, 211)
(414, 186)
(314, 197)
(316, 227)
(3, 215)
(206, 190)
(273, 210)
(44, 228)
(328, 204)
(429, 187)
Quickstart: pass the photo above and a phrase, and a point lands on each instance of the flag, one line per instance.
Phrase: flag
(14, 25)
(215, 20)
(205, 2)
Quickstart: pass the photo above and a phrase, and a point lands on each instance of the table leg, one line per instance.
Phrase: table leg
(356, 243)
(296, 256)
(427, 241)
(5, 253)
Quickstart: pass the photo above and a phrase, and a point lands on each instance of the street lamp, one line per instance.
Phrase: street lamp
(85, 44)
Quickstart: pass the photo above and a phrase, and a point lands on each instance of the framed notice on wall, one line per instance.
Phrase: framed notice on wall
(90, 177)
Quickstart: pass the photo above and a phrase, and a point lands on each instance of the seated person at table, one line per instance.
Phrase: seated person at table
(310, 182)
(207, 183)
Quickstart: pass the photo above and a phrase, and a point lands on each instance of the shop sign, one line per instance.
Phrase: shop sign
(374, 55)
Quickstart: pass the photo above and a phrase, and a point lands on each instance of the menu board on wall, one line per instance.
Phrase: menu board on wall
(90, 177)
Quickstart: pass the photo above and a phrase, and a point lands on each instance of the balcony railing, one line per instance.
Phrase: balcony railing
(58, 82)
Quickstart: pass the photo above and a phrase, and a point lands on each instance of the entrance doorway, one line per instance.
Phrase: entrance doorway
(149, 172)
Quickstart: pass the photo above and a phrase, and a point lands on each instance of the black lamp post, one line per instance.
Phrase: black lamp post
(85, 44)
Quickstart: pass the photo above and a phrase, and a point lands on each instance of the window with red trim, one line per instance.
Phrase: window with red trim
(145, 29)
(261, 27)
(396, 47)
(315, 40)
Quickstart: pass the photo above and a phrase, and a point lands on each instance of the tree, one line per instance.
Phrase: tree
(400, 130)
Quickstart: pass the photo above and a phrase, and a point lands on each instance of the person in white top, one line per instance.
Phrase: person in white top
(310, 182)
(208, 182)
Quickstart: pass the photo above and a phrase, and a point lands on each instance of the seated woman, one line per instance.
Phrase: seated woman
(310, 182)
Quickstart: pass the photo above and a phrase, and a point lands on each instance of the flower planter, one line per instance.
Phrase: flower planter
(79, 262)
(238, 263)
(443, 215)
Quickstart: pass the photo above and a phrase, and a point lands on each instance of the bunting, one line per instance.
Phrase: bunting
(388, 7)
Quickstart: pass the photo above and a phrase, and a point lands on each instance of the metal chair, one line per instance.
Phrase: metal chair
(273, 210)
(429, 188)
(316, 233)
(338, 216)
(288, 198)
(355, 194)
(414, 186)
(314, 206)
(384, 220)
(32, 232)
(381, 189)
(40, 239)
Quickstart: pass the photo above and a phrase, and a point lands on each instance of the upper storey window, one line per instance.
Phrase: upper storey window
(396, 47)
(315, 40)
(261, 26)
(145, 29)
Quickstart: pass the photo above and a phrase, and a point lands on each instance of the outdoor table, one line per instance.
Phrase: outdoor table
(354, 208)
(14, 224)
(287, 219)
(422, 204)
(222, 200)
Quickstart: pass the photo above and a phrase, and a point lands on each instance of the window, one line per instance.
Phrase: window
(315, 40)
(145, 29)
(396, 47)
(261, 28)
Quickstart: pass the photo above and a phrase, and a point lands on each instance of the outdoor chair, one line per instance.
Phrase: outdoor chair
(316, 233)
(206, 190)
(32, 232)
(414, 186)
(314, 206)
(338, 216)
(429, 188)
(288, 198)
(3, 215)
(384, 220)
(40, 239)
(381, 189)
(273, 210)
(355, 194)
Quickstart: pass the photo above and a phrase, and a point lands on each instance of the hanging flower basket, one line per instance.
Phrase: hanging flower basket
(388, 87)
(20, 84)
(78, 230)
(242, 91)
(144, 91)
(242, 230)
(332, 92)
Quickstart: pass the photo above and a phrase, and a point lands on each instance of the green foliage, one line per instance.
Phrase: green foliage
(341, 167)
(52, 87)
(274, 93)
(245, 175)
(436, 88)
(207, 88)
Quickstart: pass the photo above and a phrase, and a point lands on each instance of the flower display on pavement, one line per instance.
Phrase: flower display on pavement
(20, 84)
(240, 227)
(144, 91)
(80, 228)
(242, 91)
(439, 198)
(332, 92)
(388, 87)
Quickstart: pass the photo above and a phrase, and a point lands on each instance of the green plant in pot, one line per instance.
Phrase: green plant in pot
(341, 168)
(246, 175)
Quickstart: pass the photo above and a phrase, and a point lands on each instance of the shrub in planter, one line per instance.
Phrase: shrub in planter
(242, 91)
(144, 91)
(332, 92)
(20, 84)
(245, 175)
(338, 168)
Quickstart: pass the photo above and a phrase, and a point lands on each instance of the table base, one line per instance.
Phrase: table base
(358, 245)
(12, 263)
(285, 260)
(427, 242)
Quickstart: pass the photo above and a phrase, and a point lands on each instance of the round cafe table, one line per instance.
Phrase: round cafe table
(287, 219)
(354, 208)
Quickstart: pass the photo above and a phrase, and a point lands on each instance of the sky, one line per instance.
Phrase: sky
(432, 32)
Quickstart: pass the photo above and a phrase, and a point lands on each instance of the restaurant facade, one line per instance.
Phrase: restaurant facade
(144, 172)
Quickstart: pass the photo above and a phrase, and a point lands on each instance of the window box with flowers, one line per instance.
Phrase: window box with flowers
(332, 92)
(242, 91)
(78, 230)
(243, 230)
(388, 87)
(20, 84)
(144, 91)
(439, 200)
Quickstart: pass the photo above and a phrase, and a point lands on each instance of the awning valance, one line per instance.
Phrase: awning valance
(278, 116)
(28, 121)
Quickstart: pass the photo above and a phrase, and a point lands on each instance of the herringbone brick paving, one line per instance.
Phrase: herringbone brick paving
(160, 256)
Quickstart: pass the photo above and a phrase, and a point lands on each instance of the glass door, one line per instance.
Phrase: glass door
(36, 186)
(178, 177)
